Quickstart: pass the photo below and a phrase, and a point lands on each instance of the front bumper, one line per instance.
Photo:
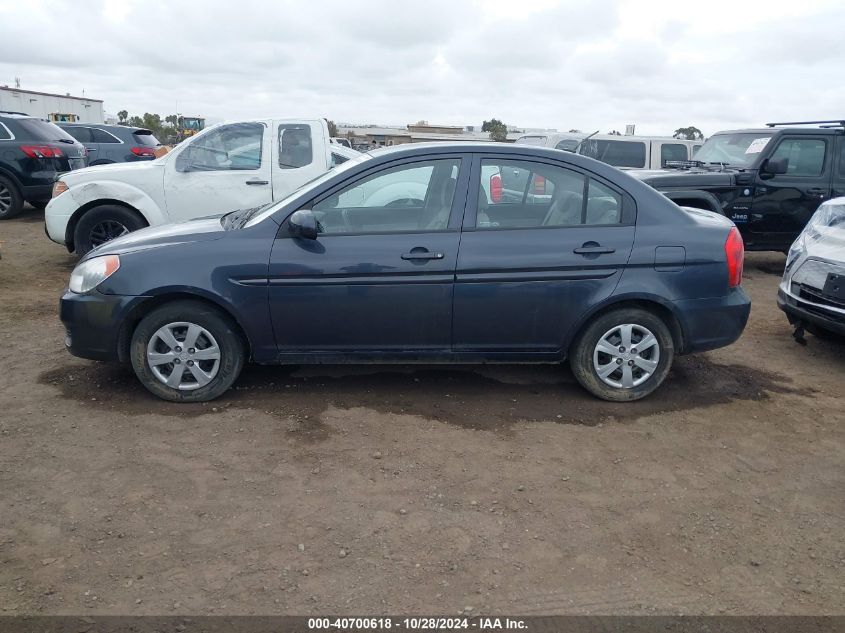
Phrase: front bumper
(799, 311)
(94, 323)
(57, 215)
(714, 322)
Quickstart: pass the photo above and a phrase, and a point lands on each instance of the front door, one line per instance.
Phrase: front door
(377, 282)
(527, 270)
(783, 204)
(218, 171)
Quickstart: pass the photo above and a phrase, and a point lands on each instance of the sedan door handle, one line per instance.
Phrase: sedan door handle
(258, 182)
(594, 250)
(422, 255)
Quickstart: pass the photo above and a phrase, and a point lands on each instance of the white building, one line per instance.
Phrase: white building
(51, 107)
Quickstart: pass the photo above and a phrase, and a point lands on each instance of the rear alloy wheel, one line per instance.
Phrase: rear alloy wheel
(187, 351)
(623, 355)
(11, 202)
(103, 224)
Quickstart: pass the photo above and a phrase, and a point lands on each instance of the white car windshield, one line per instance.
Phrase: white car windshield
(273, 207)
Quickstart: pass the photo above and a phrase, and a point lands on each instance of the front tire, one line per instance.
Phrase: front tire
(187, 351)
(103, 224)
(11, 201)
(623, 355)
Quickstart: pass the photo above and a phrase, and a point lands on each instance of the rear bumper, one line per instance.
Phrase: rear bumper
(798, 311)
(38, 192)
(94, 323)
(714, 322)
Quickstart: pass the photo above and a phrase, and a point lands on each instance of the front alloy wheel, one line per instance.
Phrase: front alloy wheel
(187, 351)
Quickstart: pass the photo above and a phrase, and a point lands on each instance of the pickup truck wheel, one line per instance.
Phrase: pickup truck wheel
(187, 351)
(623, 355)
(101, 224)
(11, 201)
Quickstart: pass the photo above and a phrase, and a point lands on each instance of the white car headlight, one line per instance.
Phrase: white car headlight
(91, 273)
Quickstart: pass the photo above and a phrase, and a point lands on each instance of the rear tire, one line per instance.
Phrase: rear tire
(11, 200)
(200, 370)
(612, 370)
(102, 224)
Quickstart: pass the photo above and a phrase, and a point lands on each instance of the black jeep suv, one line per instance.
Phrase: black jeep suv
(32, 153)
(769, 181)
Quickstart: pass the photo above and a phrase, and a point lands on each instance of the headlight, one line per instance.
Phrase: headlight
(91, 273)
(59, 187)
(798, 247)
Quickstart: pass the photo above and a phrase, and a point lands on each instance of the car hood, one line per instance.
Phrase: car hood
(201, 230)
(682, 178)
(111, 170)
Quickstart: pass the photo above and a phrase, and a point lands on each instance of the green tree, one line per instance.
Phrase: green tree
(136, 121)
(615, 133)
(498, 130)
(332, 128)
(122, 116)
(690, 133)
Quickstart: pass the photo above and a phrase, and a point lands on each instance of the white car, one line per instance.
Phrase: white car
(812, 292)
(225, 167)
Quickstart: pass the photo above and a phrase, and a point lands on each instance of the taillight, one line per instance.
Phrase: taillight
(735, 254)
(496, 188)
(539, 185)
(143, 151)
(41, 151)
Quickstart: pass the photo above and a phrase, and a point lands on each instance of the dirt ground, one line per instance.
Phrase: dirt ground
(367, 490)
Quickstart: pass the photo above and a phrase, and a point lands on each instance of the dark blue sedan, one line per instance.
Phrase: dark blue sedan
(421, 253)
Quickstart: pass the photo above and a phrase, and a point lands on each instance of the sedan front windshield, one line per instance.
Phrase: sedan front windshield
(274, 206)
(737, 150)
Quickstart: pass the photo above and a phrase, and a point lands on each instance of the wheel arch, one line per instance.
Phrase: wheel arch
(656, 305)
(132, 320)
(70, 229)
(710, 201)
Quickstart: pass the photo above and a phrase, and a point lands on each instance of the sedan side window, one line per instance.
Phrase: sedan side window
(295, 148)
(537, 195)
(411, 197)
(101, 136)
(81, 134)
(232, 147)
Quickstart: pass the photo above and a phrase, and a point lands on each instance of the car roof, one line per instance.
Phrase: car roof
(830, 131)
(516, 150)
(107, 126)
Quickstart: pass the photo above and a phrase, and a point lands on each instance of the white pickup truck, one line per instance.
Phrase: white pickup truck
(224, 167)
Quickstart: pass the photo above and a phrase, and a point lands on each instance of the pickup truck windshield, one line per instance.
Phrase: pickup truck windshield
(736, 150)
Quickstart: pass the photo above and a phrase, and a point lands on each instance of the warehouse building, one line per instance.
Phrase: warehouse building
(51, 107)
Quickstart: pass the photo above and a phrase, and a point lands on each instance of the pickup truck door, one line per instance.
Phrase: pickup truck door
(838, 188)
(222, 169)
(300, 153)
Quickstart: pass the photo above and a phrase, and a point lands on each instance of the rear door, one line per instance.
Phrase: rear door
(219, 170)
(85, 136)
(301, 152)
(838, 186)
(109, 147)
(526, 271)
(783, 204)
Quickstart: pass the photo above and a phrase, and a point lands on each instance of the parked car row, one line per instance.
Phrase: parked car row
(225, 167)
(436, 253)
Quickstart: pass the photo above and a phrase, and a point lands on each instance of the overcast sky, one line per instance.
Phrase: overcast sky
(571, 64)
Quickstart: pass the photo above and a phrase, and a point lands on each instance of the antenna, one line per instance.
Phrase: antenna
(17, 82)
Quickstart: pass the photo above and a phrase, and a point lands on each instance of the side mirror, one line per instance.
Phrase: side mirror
(303, 224)
(773, 167)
